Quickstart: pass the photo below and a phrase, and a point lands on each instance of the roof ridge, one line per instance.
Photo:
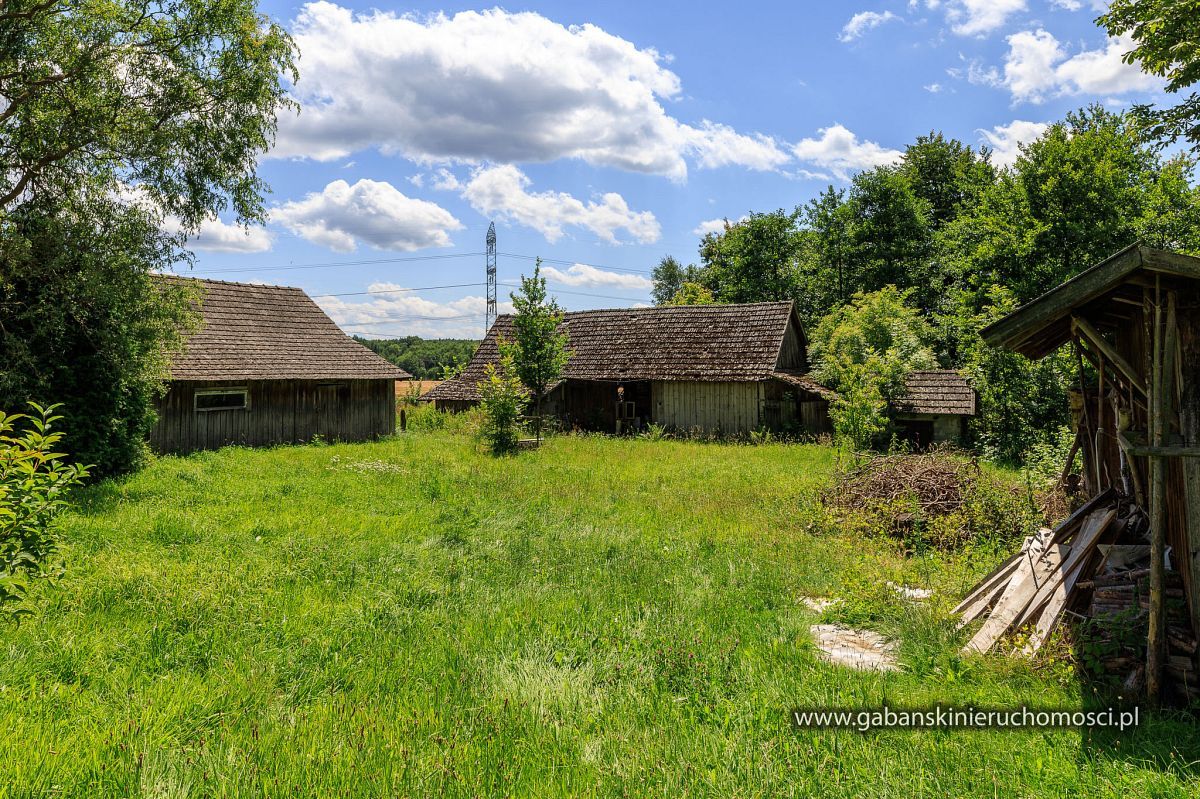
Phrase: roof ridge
(230, 282)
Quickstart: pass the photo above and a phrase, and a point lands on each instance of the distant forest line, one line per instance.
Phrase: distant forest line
(424, 359)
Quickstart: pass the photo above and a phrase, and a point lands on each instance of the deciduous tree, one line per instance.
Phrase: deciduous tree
(538, 348)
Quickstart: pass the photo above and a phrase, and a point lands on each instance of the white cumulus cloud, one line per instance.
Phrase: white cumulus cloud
(494, 86)
(714, 225)
(1037, 68)
(503, 191)
(342, 216)
(862, 22)
(840, 151)
(980, 17)
(1005, 140)
(393, 311)
(586, 275)
(216, 235)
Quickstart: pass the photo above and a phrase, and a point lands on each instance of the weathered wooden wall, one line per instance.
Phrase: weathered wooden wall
(279, 412)
(793, 354)
(727, 408)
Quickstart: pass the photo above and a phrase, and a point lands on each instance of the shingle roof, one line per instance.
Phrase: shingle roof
(802, 381)
(939, 391)
(253, 332)
(695, 342)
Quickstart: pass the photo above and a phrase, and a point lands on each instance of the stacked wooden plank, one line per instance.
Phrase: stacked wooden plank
(1036, 585)
(1074, 567)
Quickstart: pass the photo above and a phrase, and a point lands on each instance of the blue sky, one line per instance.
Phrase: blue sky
(604, 136)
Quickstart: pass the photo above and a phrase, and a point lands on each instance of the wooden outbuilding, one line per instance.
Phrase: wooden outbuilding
(1135, 319)
(935, 408)
(718, 369)
(268, 366)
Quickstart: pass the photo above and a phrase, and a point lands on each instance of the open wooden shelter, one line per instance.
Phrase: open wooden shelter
(1135, 319)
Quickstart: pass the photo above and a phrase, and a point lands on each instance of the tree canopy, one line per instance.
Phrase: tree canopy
(178, 97)
(124, 124)
(962, 241)
(1166, 34)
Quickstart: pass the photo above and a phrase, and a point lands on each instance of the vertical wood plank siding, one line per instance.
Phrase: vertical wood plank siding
(279, 412)
(724, 407)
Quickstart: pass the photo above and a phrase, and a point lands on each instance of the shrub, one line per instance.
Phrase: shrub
(503, 398)
(426, 418)
(34, 482)
(87, 323)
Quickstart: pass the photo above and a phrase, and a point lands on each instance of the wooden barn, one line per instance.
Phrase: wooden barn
(935, 408)
(269, 367)
(722, 369)
(1135, 320)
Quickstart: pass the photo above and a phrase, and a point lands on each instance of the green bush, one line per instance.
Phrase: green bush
(88, 325)
(504, 397)
(34, 482)
(425, 418)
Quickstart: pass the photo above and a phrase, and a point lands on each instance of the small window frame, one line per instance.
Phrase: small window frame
(244, 391)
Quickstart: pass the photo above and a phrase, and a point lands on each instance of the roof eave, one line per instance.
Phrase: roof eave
(1018, 330)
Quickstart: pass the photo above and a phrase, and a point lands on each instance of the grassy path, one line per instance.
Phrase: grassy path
(600, 617)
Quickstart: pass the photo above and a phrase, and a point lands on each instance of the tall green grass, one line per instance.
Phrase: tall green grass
(598, 617)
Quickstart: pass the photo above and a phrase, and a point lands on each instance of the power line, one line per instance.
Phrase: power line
(577, 293)
(396, 291)
(562, 262)
(333, 264)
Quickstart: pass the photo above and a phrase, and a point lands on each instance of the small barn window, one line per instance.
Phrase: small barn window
(222, 399)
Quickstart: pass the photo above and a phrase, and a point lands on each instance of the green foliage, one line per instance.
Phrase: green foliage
(890, 233)
(502, 397)
(538, 351)
(692, 294)
(424, 359)
(87, 324)
(753, 260)
(426, 418)
(669, 278)
(187, 130)
(34, 483)
(859, 412)
(1166, 35)
(864, 351)
(125, 125)
(826, 263)
(1022, 403)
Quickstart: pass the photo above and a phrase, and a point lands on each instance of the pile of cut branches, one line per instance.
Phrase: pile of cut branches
(938, 483)
(940, 498)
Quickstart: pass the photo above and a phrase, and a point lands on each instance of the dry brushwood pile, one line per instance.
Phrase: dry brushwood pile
(938, 483)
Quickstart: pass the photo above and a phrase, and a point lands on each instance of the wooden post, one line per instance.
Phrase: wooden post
(1189, 428)
(1154, 642)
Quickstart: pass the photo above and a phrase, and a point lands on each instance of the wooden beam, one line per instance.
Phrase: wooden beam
(1170, 263)
(1058, 303)
(1155, 643)
(1093, 338)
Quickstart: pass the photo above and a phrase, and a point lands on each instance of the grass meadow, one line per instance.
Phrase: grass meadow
(599, 617)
